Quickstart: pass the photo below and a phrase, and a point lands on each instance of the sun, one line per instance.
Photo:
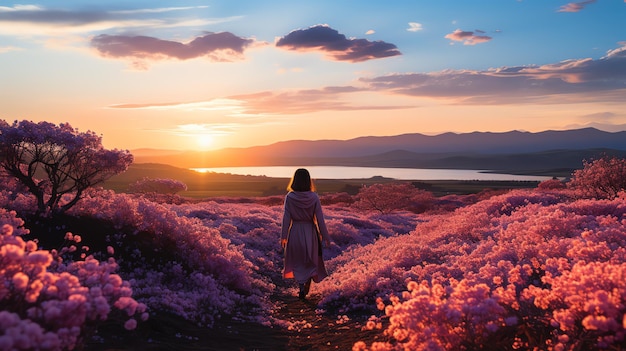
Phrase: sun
(204, 141)
(200, 135)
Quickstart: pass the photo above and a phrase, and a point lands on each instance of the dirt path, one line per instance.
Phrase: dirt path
(302, 328)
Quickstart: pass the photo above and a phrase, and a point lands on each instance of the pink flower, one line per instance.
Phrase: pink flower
(20, 280)
(7, 229)
(34, 291)
(130, 324)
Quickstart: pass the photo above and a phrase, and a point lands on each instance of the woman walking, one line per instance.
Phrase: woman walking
(303, 229)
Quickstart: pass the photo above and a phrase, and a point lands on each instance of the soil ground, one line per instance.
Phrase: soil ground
(312, 331)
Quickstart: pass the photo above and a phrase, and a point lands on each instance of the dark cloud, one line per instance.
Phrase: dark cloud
(222, 46)
(605, 76)
(575, 6)
(468, 38)
(336, 45)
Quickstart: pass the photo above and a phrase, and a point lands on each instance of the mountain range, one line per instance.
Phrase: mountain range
(547, 152)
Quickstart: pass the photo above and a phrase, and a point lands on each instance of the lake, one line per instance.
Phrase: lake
(341, 172)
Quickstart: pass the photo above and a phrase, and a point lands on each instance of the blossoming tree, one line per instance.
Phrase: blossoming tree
(57, 163)
(602, 178)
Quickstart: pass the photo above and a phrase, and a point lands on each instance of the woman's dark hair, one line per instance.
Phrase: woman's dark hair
(301, 181)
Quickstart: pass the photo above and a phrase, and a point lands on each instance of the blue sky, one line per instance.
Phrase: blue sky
(214, 74)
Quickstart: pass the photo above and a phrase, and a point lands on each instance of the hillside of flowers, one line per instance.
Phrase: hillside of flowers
(541, 269)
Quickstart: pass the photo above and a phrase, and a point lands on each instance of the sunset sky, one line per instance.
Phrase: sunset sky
(228, 73)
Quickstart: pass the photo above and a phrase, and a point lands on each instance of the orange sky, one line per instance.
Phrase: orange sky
(240, 73)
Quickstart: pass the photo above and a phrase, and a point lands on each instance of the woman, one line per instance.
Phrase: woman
(303, 224)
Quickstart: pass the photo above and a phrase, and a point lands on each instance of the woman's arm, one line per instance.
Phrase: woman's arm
(321, 224)
(285, 225)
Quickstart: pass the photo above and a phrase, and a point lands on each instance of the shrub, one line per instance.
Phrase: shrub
(159, 186)
(551, 184)
(390, 197)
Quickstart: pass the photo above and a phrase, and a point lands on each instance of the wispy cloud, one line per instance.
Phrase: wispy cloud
(201, 129)
(160, 10)
(274, 103)
(576, 6)
(414, 27)
(5, 49)
(306, 101)
(606, 120)
(467, 37)
(220, 47)
(605, 77)
(231, 105)
(336, 46)
(36, 20)
(19, 8)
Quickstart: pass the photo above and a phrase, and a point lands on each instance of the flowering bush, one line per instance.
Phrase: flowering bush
(159, 186)
(524, 270)
(390, 197)
(551, 184)
(602, 178)
(177, 263)
(51, 305)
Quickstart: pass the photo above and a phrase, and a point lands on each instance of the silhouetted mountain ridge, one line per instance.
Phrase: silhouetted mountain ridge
(475, 142)
(514, 150)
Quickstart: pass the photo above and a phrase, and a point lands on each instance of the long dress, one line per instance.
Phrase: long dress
(302, 216)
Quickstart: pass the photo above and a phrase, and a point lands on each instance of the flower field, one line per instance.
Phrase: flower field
(541, 269)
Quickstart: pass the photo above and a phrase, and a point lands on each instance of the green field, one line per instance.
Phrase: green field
(207, 185)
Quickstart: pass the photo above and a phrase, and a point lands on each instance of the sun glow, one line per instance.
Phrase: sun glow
(202, 136)
(204, 141)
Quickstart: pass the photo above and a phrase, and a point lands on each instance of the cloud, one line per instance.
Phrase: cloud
(468, 38)
(40, 21)
(19, 8)
(601, 117)
(36, 14)
(209, 105)
(414, 27)
(222, 46)
(371, 31)
(273, 103)
(576, 6)
(201, 129)
(5, 49)
(304, 101)
(607, 121)
(335, 45)
(160, 9)
(570, 81)
(599, 79)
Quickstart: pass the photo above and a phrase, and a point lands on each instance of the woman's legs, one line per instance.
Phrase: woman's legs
(304, 288)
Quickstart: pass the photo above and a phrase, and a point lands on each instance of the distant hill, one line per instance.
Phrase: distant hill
(514, 151)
